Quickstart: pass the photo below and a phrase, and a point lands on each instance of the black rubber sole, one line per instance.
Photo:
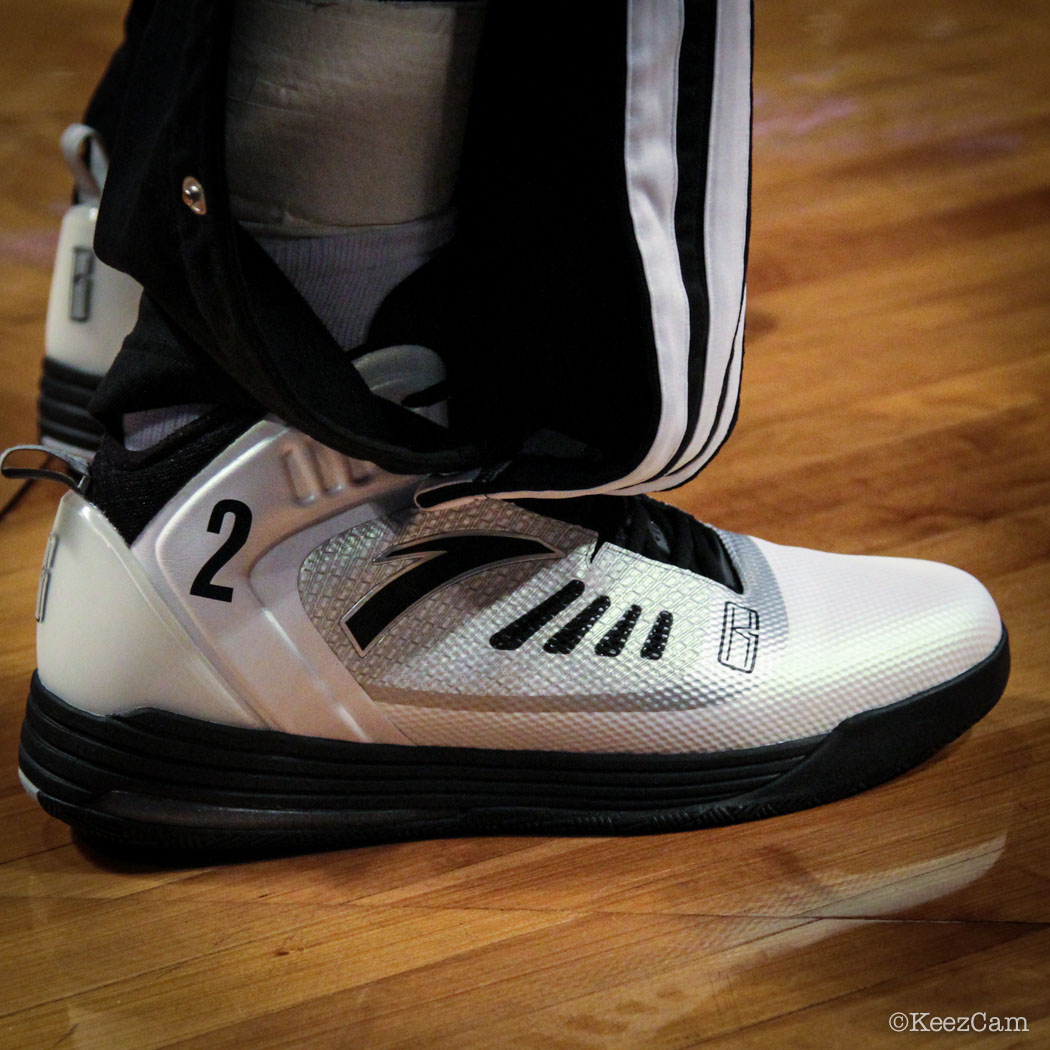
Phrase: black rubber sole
(153, 781)
(62, 408)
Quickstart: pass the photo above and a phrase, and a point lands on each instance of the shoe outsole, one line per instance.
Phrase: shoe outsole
(157, 782)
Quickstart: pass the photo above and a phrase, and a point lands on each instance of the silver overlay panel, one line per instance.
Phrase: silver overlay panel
(438, 653)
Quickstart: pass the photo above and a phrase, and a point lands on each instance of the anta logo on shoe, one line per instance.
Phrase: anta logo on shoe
(435, 562)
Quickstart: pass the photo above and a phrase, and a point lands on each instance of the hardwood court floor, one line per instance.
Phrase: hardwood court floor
(897, 400)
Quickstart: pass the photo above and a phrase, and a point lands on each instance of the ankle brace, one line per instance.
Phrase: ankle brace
(346, 114)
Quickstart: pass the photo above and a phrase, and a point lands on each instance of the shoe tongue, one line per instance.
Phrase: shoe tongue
(655, 530)
(410, 376)
(659, 542)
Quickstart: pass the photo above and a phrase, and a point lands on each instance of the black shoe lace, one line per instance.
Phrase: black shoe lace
(650, 528)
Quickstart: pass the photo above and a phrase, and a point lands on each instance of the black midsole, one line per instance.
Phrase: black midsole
(75, 755)
(159, 779)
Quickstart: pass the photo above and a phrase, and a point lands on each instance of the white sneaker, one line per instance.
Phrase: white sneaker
(91, 308)
(247, 639)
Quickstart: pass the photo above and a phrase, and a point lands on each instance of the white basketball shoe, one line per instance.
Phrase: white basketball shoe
(90, 310)
(249, 640)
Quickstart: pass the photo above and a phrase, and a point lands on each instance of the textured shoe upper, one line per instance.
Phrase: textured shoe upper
(592, 646)
(331, 606)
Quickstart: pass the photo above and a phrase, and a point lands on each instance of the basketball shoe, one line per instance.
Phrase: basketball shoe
(91, 308)
(249, 640)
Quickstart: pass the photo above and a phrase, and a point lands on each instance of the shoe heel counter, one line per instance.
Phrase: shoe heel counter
(91, 306)
(106, 641)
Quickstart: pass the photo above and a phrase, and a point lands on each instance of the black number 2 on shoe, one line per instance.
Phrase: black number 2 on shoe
(242, 523)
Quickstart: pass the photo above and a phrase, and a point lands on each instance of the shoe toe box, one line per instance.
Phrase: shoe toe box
(863, 632)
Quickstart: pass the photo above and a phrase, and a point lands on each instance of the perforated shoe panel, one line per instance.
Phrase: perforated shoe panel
(811, 640)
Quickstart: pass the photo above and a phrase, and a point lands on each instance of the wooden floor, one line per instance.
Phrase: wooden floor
(897, 400)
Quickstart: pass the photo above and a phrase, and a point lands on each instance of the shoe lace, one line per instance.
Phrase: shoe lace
(648, 527)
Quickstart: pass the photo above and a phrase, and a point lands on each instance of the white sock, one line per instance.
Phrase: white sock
(144, 429)
(345, 277)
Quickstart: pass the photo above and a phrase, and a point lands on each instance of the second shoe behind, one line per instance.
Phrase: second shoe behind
(91, 308)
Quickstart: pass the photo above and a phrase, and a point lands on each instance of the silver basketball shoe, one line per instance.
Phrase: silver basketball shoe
(249, 640)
